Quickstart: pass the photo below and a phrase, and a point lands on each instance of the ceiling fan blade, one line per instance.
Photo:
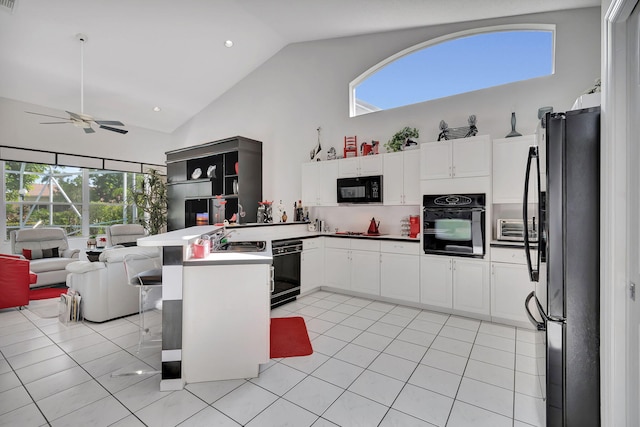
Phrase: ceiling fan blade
(109, 122)
(55, 123)
(46, 115)
(89, 130)
(75, 116)
(122, 131)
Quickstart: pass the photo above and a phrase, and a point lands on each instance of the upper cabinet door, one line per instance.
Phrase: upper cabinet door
(471, 156)
(435, 160)
(509, 165)
(412, 195)
(328, 175)
(348, 168)
(371, 165)
(360, 166)
(393, 181)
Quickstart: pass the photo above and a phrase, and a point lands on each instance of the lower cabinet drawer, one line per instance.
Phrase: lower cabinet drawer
(395, 247)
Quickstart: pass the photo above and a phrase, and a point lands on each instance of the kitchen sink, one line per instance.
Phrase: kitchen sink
(243, 246)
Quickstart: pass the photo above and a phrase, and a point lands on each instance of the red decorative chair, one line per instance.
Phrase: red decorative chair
(15, 278)
(350, 146)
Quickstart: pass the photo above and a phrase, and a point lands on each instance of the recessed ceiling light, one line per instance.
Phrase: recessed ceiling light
(228, 43)
(156, 109)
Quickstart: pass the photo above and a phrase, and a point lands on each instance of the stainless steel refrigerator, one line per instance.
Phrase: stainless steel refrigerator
(569, 256)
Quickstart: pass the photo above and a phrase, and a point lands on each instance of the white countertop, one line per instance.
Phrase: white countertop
(177, 237)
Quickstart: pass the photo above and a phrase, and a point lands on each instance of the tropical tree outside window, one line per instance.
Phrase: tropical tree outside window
(81, 201)
(455, 64)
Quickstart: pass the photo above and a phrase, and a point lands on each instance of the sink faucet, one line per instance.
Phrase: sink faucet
(219, 237)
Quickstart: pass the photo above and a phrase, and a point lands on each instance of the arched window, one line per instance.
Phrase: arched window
(456, 63)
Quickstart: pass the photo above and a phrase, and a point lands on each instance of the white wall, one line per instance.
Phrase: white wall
(18, 129)
(305, 85)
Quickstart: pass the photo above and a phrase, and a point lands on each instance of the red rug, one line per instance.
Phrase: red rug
(46, 293)
(289, 338)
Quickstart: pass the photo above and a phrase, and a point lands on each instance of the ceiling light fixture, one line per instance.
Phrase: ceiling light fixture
(156, 109)
(228, 43)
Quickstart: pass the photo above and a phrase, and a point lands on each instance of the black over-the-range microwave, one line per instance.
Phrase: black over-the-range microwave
(362, 189)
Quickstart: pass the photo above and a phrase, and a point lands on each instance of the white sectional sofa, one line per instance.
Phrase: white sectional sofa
(103, 285)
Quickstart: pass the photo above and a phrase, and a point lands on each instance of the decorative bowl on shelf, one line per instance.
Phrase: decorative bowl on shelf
(196, 173)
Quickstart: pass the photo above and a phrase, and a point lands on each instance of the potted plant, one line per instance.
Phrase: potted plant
(151, 199)
(401, 139)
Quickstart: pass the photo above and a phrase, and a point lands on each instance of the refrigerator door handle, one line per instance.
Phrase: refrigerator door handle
(534, 273)
(541, 326)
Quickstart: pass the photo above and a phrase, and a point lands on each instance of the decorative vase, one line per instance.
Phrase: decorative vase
(513, 127)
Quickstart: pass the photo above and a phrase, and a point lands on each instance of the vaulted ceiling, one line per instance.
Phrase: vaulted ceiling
(146, 53)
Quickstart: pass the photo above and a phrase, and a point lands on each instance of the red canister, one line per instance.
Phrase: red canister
(414, 225)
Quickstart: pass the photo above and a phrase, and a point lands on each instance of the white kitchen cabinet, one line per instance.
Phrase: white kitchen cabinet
(401, 180)
(510, 285)
(456, 158)
(360, 166)
(509, 166)
(436, 281)
(455, 283)
(319, 183)
(338, 268)
(353, 264)
(311, 265)
(400, 270)
(365, 271)
(471, 286)
(210, 306)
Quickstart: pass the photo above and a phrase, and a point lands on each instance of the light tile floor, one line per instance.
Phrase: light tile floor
(374, 364)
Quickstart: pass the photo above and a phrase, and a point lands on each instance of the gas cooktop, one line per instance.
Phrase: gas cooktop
(356, 233)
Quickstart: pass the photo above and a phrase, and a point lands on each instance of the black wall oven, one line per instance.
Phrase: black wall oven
(286, 271)
(454, 224)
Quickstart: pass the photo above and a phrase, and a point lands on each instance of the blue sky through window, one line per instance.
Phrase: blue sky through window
(459, 65)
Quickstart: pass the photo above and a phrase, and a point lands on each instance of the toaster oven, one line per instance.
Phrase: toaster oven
(513, 230)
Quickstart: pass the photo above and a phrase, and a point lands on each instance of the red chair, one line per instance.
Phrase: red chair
(350, 146)
(15, 278)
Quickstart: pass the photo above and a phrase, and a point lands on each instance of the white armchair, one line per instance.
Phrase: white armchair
(48, 249)
(103, 285)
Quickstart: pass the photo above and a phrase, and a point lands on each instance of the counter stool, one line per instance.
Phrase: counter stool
(144, 272)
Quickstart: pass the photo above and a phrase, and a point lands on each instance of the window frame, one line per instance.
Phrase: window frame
(442, 39)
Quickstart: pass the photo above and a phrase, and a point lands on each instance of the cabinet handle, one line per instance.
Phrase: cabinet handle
(454, 171)
(272, 279)
(450, 171)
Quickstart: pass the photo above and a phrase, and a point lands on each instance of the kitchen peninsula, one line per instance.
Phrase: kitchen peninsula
(215, 317)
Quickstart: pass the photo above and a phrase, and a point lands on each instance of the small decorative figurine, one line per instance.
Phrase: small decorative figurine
(513, 127)
(315, 152)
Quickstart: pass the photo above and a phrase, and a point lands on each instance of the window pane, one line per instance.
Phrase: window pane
(103, 215)
(457, 66)
(53, 196)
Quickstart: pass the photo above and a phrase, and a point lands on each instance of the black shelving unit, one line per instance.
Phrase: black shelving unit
(230, 168)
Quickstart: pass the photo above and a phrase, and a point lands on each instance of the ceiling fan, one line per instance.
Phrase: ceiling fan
(81, 120)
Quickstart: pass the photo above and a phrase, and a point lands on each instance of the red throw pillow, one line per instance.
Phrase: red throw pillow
(26, 253)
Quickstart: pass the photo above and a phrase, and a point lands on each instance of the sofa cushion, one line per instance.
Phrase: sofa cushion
(40, 253)
(50, 264)
(39, 238)
(84, 266)
(117, 254)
